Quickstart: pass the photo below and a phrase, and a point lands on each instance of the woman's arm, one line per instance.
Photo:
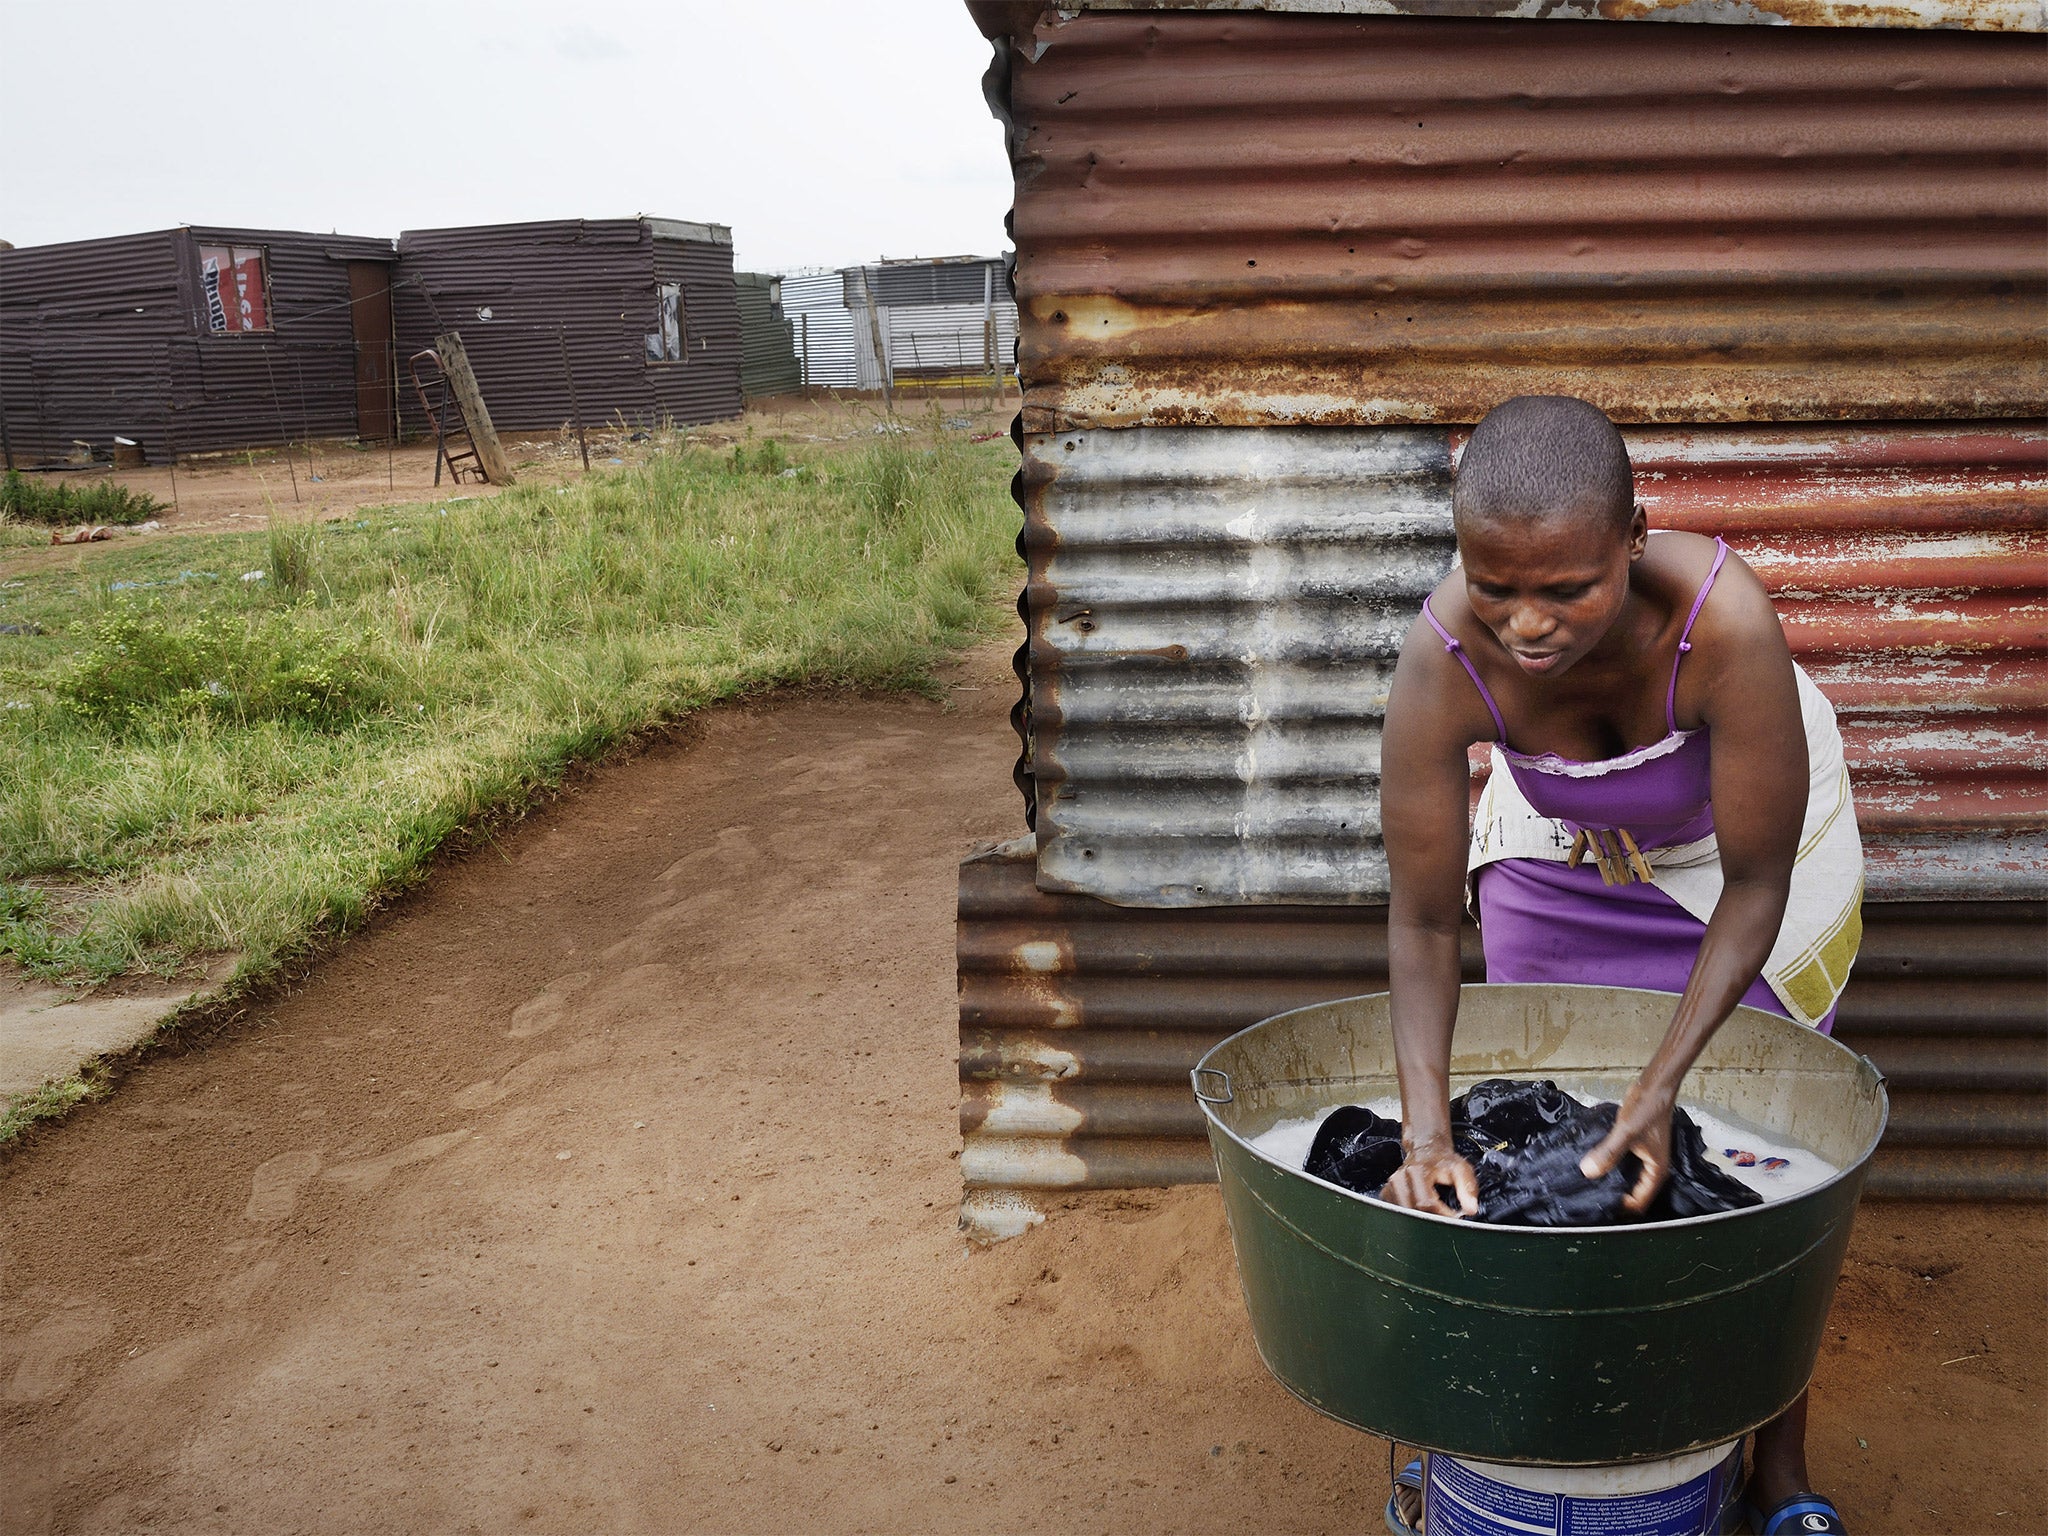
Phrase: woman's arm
(1424, 796)
(1749, 698)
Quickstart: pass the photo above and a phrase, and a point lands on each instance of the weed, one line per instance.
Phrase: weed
(55, 503)
(892, 479)
(145, 664)
(294, 547)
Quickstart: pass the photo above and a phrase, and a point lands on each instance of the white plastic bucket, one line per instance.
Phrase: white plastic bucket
(1691, 1495)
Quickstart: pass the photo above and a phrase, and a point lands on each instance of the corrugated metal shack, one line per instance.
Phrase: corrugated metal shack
(194, 340)
(768, 364)
(634, 320)
(1272, 261)
(948, 322)
(822, 329)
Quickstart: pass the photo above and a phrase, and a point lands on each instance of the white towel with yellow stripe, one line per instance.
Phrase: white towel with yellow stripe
(1823, 926)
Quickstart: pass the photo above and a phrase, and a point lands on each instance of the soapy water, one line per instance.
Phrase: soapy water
(1774, 1168)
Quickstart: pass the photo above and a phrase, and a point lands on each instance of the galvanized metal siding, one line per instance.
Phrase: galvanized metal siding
(101, 338)
(768, 363)
(823, 329)
(85, 336)
(705, 386)
(293, 383)
(581, 287)
(1214, 618)
(1079, 1021)
(1314, 219)
(1214, 614)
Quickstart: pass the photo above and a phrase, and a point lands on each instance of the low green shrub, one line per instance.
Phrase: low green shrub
(143, 664)
(58, 503)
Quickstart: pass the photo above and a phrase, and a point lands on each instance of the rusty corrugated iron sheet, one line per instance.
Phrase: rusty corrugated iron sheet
(1315, 219)
(1079, 1021)
(539, 305)
(106, 338)
(1214, 614)
(1910, 568)
(1001, 17)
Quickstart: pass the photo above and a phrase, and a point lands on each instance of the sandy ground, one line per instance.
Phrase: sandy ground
(324, 480)
(609, 1184)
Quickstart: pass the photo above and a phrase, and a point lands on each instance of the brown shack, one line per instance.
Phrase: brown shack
(633, 320)
(194, 340)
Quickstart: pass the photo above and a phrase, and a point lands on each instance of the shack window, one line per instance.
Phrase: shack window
(665, 341)
(235, 280)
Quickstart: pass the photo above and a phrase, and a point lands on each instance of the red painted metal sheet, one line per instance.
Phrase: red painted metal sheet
(1909, 566)
(1002, 18)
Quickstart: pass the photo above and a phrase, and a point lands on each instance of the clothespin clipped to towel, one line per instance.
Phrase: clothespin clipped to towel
(1615, 853)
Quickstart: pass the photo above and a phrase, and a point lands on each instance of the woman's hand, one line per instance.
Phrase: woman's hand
(1642, 1126)
(1431, 1163)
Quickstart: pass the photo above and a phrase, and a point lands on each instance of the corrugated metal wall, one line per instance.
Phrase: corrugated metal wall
(768, 363)
(942, 322)
(86, 331)
(296, 384)
(523, 294)
(1215, 612)
(823, 329)
(1079, 1022)
(705, 386)
(101, 338)
(1347, 231)
(1311, 219)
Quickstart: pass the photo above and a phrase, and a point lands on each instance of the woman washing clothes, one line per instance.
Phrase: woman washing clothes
(1667, 809)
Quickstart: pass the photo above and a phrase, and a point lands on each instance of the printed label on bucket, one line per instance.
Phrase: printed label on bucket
(1462, 1502)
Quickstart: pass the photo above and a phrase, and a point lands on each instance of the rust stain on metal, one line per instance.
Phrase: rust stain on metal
(1211, 735)
(1002, 17)
(1343, 220)
(1077, 1076)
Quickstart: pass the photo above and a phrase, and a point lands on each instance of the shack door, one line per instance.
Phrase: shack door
(369, 293)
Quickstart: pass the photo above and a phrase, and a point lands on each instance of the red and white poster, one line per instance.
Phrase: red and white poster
(232, 279)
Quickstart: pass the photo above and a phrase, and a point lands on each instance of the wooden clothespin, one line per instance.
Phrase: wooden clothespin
(1636, 861)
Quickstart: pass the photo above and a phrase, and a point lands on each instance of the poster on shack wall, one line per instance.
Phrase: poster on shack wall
(232, 279)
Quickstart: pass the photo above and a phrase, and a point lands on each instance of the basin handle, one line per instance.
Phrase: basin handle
(1222, 1076)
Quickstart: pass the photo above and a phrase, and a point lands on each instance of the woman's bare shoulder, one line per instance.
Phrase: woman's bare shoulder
(1736, 605)
(1432, 693)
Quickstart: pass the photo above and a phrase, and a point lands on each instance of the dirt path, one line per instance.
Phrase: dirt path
(609, 1185)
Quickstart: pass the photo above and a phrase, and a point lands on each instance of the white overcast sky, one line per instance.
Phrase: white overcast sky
(823, 131)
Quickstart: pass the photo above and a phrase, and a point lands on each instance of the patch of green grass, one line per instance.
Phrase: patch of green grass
(33, 499)
(49, 1102)
(194, 763)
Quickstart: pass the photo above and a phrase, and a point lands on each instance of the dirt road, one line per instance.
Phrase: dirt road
(609, 1184)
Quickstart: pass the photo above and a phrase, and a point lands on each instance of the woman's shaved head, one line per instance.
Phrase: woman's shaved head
(1541, 456)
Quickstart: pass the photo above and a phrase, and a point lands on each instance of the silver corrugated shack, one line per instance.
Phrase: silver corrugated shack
(945, 322)
(1272, 262)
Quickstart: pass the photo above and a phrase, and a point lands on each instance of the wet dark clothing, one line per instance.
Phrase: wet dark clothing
(1524, 1141)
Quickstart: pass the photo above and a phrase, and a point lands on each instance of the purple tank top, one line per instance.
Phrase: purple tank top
(1661, 793)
